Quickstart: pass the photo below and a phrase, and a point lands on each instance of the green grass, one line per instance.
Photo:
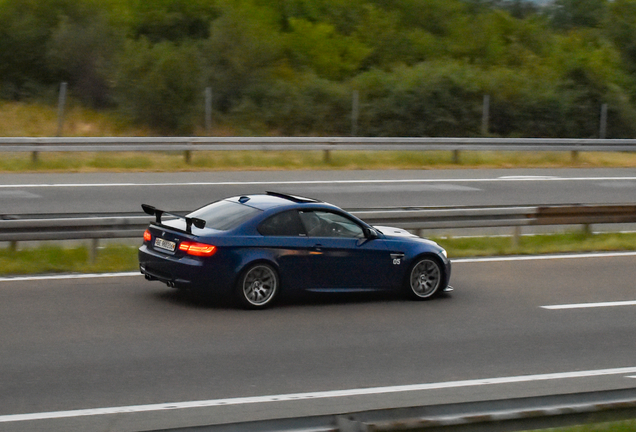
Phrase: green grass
(621, 426)
(115, 258)
(537, 244)
(306, 160)
(57, 259)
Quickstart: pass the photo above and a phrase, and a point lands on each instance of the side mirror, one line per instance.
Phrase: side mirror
(371, 234)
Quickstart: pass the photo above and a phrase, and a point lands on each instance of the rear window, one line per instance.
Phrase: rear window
(224, 215)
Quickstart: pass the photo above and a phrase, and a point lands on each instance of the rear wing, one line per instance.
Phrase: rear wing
(148, 209)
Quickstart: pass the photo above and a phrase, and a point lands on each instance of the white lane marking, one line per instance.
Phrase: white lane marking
(545, 257)
(529, 177)
(312, 182)
(68, 276)
(18, 194)
(455, 261)
(313, 395)
(590, 305)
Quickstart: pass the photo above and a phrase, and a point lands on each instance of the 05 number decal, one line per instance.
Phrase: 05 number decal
(397, 258)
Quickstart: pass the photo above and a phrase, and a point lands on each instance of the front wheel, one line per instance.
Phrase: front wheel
(257, 287)
(425, 279)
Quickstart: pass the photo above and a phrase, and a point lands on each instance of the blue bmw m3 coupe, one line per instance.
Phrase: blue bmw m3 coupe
(260, 246)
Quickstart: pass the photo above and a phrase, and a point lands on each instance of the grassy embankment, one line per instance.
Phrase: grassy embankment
(623, 426)
(17, 119)
(37, 120)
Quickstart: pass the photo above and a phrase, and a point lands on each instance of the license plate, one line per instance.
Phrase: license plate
(165, 244)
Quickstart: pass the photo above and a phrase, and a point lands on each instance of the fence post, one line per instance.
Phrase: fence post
(485, 116)
(603, 128)
(60, 109)
(355, 113)
(208, 111)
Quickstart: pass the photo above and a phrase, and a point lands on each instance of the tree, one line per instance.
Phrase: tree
(567, 14)
(81, 52)
(159, 84)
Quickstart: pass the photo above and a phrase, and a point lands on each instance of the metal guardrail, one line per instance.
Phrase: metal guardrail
(71, 144)
(508, 415)
(325, 144)
(14, 228)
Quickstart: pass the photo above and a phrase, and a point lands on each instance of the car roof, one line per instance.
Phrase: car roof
(271, 200)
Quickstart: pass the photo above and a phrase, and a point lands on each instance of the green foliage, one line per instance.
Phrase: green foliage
(291, 66)
(82, 53)
(621, 28)
(242, 51)
(158, 84)
(431, 99)
(305, 105)
(567, 14)
(172, 20)
(321, 49)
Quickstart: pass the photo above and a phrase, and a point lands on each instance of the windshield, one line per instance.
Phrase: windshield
(224, 215)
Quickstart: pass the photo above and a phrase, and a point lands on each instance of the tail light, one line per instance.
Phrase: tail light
(197, 249)
(147, 236)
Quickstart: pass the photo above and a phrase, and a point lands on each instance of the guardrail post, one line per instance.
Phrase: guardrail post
(13, 246)
(187, 157)
(456, 157)
(516, 235)
(92, 251)
(349, 424)
(327, 155)
(575, 156)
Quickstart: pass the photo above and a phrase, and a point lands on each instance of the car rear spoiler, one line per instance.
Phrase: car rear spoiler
(148, 209)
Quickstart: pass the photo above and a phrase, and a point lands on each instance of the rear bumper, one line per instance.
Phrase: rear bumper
(183, 273)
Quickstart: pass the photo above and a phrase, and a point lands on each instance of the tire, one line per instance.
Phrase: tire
(425, 278)
(258, 286)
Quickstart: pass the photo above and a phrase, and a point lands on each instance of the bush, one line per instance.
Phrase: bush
(159, 85)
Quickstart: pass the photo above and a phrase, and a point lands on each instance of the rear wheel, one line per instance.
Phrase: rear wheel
(257, 287)
(425, 278)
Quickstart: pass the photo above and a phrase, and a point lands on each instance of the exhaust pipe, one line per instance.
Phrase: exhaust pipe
(170, 284)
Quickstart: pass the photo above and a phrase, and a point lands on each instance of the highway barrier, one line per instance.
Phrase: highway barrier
(531, 413)
(324, 144)
(19, 228)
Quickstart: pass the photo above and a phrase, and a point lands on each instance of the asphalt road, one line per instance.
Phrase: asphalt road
(122, 192)
(95, 343)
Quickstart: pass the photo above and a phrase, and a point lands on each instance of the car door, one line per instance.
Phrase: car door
(341, 257)
(284, 235)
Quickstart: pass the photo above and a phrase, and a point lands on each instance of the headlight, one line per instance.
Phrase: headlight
(444, 253)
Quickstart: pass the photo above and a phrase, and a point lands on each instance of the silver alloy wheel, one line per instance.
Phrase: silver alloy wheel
(259, 285)
(426, 277)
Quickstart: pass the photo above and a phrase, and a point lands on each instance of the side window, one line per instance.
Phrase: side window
(327, 224)
(282, 224)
